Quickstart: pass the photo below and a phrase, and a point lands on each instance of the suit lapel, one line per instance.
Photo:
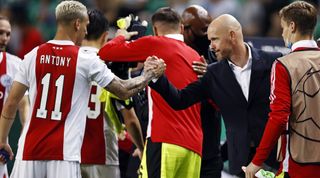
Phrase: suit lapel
(232, 83)
(257, 71)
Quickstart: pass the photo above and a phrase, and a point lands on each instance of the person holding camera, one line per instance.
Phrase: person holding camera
(174, 138)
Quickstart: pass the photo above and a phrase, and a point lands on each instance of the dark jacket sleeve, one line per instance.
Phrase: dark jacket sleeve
(180, 99)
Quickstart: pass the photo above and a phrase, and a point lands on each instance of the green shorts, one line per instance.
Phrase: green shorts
(163, 160)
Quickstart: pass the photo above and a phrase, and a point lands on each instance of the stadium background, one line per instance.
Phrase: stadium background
(33, 22)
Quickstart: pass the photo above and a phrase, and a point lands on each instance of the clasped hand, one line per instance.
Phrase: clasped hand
(154, 66)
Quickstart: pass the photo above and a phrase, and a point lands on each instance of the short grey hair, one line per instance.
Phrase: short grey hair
(70, 10)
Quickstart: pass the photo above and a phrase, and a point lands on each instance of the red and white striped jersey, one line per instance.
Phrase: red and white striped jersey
(12, 67)
(58, 75)
(100, 143)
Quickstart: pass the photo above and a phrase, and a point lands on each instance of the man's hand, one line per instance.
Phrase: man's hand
(6, 147)
(136, 153)
(154, 67)
(251, 170)
(127, 35)
(200, 67)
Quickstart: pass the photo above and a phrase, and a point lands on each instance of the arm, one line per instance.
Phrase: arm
(8, 114)
(181, 99)
(280, 106)
(133, 126)
(119, 50)
(23, 109)
(153, 68)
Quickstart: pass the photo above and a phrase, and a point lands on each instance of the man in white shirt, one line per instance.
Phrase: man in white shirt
(9, 65)
(99, 152)
(50, 143)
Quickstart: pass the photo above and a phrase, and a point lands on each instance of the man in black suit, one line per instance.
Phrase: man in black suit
(239, 85)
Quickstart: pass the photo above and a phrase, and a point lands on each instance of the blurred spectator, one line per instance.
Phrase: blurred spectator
(252, 18)
(219, 7)
(41, 14)
(24, 36)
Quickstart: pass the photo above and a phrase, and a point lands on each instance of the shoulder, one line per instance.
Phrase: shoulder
(217, 67)
(13, 59)
(266, 54)
(87, 53)
(31, 55)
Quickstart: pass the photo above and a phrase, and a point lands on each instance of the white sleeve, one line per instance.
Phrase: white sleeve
(100, 73)
(27, 68)
(22, 74)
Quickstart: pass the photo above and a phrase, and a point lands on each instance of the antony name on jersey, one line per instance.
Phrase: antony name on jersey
(55, 60)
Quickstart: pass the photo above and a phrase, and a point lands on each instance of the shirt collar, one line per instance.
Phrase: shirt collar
(61, 42)
(90, 48)
(305, 44)
(175, 36)
(249, 62)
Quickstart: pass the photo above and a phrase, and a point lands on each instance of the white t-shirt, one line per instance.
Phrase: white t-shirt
(58, 75)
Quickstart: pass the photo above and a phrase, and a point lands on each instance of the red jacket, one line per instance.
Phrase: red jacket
(183, 127)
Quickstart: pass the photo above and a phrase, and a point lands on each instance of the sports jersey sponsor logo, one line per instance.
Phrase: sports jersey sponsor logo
(6, 80)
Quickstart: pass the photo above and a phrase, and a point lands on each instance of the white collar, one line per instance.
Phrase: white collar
(305, 44)
(249, 62)
(175, 36)
(61, 42)
(90, 48)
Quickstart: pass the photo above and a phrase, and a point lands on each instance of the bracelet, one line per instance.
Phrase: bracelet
(8, 118)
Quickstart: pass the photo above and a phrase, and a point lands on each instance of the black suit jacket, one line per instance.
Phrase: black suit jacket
(244, 120)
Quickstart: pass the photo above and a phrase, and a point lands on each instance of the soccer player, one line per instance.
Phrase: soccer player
(58, 75)
(174, 139)
(99, 152)
(8, 68)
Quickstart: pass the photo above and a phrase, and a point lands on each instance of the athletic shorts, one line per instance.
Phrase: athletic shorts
(99, 171)
(3, 170)
(47, 169)
(163, 160)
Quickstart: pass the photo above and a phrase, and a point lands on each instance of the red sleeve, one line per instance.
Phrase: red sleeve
(119, 50)
(280, 110)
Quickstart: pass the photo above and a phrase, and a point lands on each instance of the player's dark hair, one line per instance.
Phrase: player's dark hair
(167, 15)
(98, 24)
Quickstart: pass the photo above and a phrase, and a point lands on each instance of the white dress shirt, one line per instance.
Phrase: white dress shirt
(243, 74)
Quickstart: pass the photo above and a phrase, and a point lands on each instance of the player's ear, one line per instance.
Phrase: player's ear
(77, 24)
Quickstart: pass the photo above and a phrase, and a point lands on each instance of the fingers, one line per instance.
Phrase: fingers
(199, 67)
(203, 59)
(132, 33)
(127, 35)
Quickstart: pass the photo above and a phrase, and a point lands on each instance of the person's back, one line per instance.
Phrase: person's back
(181, 128)
(179, 72)
(58, 67)
(58, 76)
(167, 44)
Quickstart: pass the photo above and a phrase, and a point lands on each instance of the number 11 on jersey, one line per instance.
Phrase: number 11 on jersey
(42, 111)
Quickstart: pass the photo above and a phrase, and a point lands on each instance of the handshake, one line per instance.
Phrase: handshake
(153, 67)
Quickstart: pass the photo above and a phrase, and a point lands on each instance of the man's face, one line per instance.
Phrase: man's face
(5, 31)
(286, 34)
(82, 30)
(219, 42)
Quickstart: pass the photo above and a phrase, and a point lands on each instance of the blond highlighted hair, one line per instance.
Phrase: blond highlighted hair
(69, 10)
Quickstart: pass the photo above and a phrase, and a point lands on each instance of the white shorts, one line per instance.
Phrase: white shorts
(99, 171)
(46, 169)
(3, 170)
